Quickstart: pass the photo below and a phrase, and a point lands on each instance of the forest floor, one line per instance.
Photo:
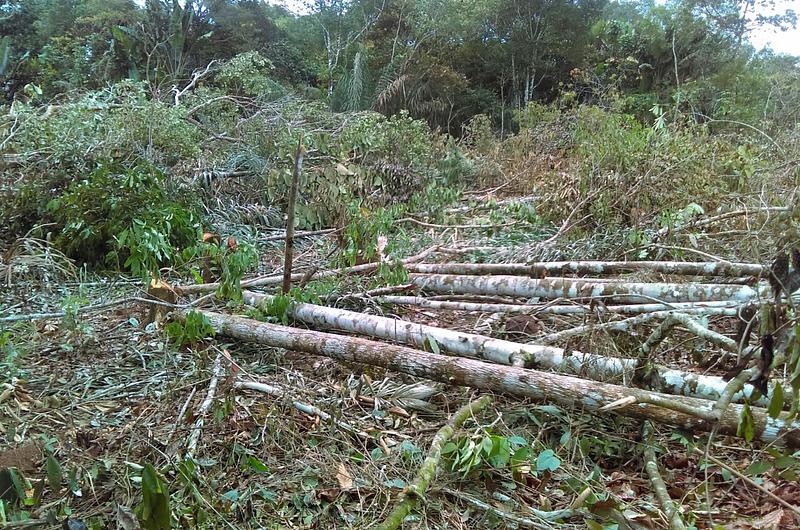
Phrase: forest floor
(97, 395)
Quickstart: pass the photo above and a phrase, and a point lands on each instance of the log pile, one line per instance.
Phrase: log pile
(557, 350)
(548, 367)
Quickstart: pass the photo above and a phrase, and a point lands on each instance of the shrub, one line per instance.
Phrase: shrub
(125, 216)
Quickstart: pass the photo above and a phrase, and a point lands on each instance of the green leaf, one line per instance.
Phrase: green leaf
(758, 467)
(433, 345)
(254, 464)
(746, 428)
(547, 461)
(155, 508)
(776, 402)
(55, 475)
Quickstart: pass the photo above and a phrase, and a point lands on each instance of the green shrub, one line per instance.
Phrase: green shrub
(125, 217)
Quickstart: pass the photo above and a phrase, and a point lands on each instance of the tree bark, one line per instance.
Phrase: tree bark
(542, 386)
(289, 247)
(704, 308)
(551, 288)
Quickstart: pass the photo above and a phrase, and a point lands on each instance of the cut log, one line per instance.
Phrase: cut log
(556, 268)
(597, 367)
(705, 308)
(551, 288)
(692, 414)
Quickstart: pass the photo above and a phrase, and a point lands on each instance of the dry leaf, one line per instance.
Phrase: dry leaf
(343, 477)
(126, 519)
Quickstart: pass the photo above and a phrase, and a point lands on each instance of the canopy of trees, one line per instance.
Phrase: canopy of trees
(438, 60)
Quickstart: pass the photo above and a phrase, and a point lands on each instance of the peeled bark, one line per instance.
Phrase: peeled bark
(542, 386)
(556, 268)
(590, 365)
(551, 288)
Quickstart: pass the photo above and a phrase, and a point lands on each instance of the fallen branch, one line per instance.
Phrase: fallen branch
(526, 522)
(427, 471)
(556, 268)
(657, 483)
(305, 408)
(688, 413)
(456, 227)
(707, 308)
(717, 218)
(194, 437)
(550, 288)
(597, 367)
(86, 309)
(307, 233)
(277, 279)
(628, 324)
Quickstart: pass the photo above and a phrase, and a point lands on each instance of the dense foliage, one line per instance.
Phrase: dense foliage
(130, 129)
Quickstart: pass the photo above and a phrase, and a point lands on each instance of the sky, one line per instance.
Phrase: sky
(780, 41)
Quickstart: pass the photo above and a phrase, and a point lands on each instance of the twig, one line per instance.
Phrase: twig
(526, 522)
(756, 485)
(87, 309)
(305, 408)
(458, 227)
(426, 473)
(307, 233)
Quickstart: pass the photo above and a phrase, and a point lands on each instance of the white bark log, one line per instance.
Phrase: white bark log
(590, 365)
(691, 414)
(557, 268)
(551, 288)
(276, 279)
(704, 308)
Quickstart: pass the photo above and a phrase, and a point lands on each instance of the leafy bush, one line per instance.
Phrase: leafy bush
(193, 330)
(662, 168)
(125, 217)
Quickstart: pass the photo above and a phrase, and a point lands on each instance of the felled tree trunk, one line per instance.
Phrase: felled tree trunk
(684, 412)
(556, 268)
(704, 308)
(619, 292)
(593, 366)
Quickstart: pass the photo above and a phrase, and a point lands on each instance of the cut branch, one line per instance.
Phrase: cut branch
(277, 279)
(722, 308)
(428, 469)
(556, 268)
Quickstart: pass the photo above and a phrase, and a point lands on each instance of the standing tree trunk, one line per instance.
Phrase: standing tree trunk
(289, 251)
